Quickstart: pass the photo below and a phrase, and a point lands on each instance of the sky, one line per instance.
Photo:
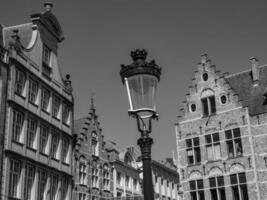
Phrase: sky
(99, 36)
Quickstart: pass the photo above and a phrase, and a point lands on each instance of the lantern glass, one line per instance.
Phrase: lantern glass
(141, 89)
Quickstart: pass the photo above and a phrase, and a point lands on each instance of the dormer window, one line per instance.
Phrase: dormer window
(46, 67)
(208, 105)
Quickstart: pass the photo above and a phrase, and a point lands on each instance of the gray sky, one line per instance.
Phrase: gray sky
(100, 35)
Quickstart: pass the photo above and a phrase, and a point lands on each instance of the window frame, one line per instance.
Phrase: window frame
(18, 125)
(14, 178)
(213, 145)
(31, 133)
(208, 105)
(56, 102)
(240, 186)
(20, 82)
(45, 99)
(197, 190)
(55, 144)
(44, 136)
(232, 141)
(65, 149)
(195, 149)
(29, 181)
(33, 91)
(218, 188)
(82, 172)
(42, 183)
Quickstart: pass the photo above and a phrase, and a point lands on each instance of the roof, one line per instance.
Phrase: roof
(252, 96)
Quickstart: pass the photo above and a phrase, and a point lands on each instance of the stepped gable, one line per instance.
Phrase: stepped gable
(82, 125)
(252, 96)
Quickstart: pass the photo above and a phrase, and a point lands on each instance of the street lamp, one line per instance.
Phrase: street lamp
(141, 79)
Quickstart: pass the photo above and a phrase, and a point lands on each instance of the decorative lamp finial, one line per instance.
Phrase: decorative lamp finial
(139, 54)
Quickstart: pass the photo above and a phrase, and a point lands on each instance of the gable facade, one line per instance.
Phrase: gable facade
(220, 134)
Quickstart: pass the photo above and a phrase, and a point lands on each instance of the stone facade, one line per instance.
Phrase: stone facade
(220, 134)
(36, 112)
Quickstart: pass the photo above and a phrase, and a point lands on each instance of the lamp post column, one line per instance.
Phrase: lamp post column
(145, 142)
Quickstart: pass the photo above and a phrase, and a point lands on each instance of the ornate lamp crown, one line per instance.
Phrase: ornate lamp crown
(139, 54)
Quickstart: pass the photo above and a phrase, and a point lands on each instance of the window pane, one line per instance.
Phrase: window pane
(200, 184)
(210, 152)
(222, 194)
(230, 148)
(198, 156)
(213, 194)
(233, 179)
(193, 196)
(208, 139)
(220, 181)
(212, 104)
(228, 134)
(216, 137)
(244, 192)
(212, 182)
(192, 185)
(196, 141)
(189, 143)
(235, 193)
(217, 151)
(242, 178)
(201, 195)
(236, 132)
(238, 147)
(205, 106)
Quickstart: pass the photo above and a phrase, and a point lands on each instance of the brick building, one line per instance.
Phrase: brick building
(36, 112)
(92, 170)
(221, 142)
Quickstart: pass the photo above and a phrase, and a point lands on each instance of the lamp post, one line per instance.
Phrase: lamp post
(141, 79)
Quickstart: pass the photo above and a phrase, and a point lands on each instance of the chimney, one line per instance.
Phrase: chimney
(48, 6)
(255, 69)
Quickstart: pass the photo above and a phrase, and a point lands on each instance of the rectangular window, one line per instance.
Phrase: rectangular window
(106, 178)
(197, 190)
(95, 178)
(193, 151)
(127, 181)
(213, 146)
(217, 189)
(82, 196)
(31, 132)
(65, 150)
(44, 131)
(234, 143)
(55, 144)
(208, 105)
(20, 82)
(239, 186)
(14, 178)
(119, 178)
(18, 121)
(29, 180)
(55, 106)
(65, 185)
(82, 173)
(45, 99)
(54, 186)
(46, 67)
(33, 91)
(46, 55)
(65, 114)
(94, 146)
(42, 184)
